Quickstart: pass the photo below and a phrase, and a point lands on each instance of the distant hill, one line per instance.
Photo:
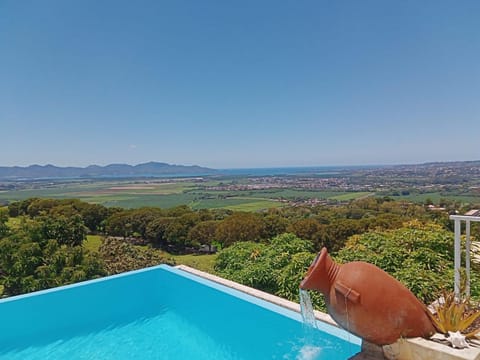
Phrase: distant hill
(95, 171)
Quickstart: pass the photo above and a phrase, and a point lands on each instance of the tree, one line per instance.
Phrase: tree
(156, 231)
(337, 232)
(118, 224)
(69, 231)
(66, 210)
(275, 224)
(132, 222)
(419, 255)
(94, 216)
(140, 218)
(14, 209)
(240, 226)
(3, 222)
(40, 206)
(178, 211)
(203, 232)
(177, 230)
(305, 228)
(29, 261)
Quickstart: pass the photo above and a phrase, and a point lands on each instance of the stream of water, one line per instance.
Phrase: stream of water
(307, 309)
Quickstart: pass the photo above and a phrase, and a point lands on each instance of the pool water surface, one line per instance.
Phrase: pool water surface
(160, 313)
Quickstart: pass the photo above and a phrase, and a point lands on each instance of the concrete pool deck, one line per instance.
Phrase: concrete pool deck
(403, 349)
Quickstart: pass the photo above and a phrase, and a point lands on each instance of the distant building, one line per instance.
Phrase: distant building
(435, 208)
(473, 212)
(207, 249)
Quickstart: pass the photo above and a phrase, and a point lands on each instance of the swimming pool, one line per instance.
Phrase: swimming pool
(159, 313)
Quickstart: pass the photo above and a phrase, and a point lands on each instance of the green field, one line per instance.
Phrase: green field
(351, 196)
(435, 197)
(288, 194)
(200, 262)
(123, 194)
(135, 194)
(254, 206)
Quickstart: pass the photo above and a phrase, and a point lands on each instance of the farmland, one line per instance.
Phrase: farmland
(470, 197)
(428, 183)
(197, 194)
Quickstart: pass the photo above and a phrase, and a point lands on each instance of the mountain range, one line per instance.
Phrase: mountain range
(150, 169)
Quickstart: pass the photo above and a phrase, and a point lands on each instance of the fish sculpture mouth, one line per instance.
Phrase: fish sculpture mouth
(314, 267)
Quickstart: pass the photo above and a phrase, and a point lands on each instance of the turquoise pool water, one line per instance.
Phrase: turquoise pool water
(160, 313)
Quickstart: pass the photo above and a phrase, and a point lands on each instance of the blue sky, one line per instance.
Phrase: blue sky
(239, 83)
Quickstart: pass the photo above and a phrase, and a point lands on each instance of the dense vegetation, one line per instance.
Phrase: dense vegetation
(276, 266)
(119, 256)
(41, 254)
(419, 255)
(45, 249)
(269, 250)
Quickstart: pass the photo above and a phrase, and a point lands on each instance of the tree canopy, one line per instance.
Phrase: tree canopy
(32, 259)
(419, 255)
(269, 250)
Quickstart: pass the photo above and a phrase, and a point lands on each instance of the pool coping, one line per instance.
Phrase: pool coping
(403, 349)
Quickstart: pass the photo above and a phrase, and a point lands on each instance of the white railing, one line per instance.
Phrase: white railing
(458, 249)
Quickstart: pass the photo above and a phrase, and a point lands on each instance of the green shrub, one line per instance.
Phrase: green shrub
(119, 256)
(276, 267)
(418, 255)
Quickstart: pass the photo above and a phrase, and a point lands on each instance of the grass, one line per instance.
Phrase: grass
(234, 203)
(351, 196)
(292, 194)
(163, 201)
(254, 205)
(200, 262)
(14, 222)
(435, 197)
(92, 243)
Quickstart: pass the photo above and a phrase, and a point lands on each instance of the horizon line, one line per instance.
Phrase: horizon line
(248, 167)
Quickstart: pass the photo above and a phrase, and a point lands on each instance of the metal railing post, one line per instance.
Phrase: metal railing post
(467, 256)
(458, 250)
(457, 263)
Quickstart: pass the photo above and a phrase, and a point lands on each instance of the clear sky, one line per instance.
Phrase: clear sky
(250, 83)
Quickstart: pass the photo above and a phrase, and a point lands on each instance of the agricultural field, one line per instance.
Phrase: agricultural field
(437, 197)
(170, 193)
(128, 194)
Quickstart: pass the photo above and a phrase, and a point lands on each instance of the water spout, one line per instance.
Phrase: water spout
(306, 308)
